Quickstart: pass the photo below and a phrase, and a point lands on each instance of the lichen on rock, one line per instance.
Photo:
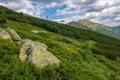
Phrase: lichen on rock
(32, 51)
(37, 53)
(13, 34)
(4, 34)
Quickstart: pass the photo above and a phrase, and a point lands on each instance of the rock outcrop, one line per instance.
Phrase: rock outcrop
(36, 53)
(4, 34)
(13, 34)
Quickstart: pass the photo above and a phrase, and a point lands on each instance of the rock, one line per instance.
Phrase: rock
(36, 31)
(4, 34)
(37, 53)
(1, 29)
(13, 34)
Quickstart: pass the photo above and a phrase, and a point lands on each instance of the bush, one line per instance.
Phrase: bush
(3, 18)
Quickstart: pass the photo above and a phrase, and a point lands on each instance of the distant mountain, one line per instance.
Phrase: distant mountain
(89, 25)
(79, 25)
(116, 31)
(93, 25)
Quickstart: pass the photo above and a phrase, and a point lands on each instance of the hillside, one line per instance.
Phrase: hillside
(116, 30)
(78, 25)
(83, 54)
(92, 25)
(86, 24)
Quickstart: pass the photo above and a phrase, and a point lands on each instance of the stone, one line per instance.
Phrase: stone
(13, 34)
(0, 25)
(4, 34)
(37, 53)
(36, 31)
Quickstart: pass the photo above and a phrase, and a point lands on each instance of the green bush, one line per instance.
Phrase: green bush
(3, 18)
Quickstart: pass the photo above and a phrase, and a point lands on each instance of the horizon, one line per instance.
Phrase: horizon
(99, 11)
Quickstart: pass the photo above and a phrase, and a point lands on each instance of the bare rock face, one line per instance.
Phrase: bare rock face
(4, 34)
(36, 53)
(13, 34)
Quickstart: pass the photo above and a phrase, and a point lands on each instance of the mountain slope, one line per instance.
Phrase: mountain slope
(76, 56)
(78, 25)
(92, 25)
(84, 54)
(86, 24)
(116, 30)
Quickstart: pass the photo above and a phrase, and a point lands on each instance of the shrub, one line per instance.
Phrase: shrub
(3, 18)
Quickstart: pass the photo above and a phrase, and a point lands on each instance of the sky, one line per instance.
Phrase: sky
(106, 12)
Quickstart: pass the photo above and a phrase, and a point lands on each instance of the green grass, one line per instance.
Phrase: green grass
(77, 59)
(11, 68)
(84, 55)
(106, 45)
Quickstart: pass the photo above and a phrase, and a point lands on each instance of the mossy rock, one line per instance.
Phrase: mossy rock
(4, 34)
(13, 34)
(36, 53)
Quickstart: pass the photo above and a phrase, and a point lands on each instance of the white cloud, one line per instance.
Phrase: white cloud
(69, 19)
(102, 11)
(24, 6)
(15, 4)
(105, 12)
(67, 10)
(47, 1)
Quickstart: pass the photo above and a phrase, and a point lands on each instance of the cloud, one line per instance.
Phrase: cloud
(47, 1)
(77, 6)
(15, 4)
(106, 12)
(24, 6)
(69, 19)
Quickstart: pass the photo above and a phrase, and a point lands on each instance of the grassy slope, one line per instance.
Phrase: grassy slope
(10, 66)
(75, 50)
(106, 45)
(77, 60)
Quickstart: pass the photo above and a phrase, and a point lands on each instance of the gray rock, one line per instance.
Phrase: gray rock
(4, 34)
(13, 34)
(37, 53)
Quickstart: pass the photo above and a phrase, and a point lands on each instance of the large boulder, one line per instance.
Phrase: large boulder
(13, 34)
(4, 34)
(36, 53)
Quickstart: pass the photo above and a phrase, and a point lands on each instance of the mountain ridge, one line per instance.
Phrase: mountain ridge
(89, 25)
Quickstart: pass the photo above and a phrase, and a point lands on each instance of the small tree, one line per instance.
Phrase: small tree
(3, 18)
(21, 13)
